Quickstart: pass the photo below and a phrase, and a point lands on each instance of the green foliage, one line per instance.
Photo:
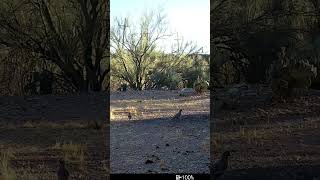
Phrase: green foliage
(139, 59)
(200, 86)
(169, 78)
(163, 70)
(309, 51)
(199, 69)
(257, 29)
(297, 75)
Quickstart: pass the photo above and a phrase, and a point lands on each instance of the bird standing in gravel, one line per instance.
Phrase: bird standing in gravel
(178, 115)
(63, 173)
(129, 116)
(219, 167)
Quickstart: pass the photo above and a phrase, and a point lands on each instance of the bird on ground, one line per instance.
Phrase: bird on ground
(129, 116)
(63, 173)
(177, 116)
(219, 167)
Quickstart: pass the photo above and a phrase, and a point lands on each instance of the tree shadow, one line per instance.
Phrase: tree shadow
(153, 95)
(199, 117)
(295, 115)
(56, 108)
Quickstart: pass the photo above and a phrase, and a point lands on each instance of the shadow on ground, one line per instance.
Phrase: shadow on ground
(37, 131)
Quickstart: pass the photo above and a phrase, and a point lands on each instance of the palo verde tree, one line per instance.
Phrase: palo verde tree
(133, 45)
(135, 48)
(73, 35)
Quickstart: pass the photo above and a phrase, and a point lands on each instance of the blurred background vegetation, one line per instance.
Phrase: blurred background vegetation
(248, 38)
(53, 46)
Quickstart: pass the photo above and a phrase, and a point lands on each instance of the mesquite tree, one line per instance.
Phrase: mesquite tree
(73, 35)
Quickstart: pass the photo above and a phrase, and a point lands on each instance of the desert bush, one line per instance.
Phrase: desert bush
(6, 170)
(192, 76)
(200, 86)
(297, 75)
(314, 59)
(169, 78)
(123, 87)
(198, 68)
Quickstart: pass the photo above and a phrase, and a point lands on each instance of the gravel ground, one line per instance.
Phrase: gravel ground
(33, 128)
(270, 140)
(161, 145)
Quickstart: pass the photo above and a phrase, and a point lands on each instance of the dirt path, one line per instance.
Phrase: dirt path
(35, 132)
(151, 142)
(279, 141)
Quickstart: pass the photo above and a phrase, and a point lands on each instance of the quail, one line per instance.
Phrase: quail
(178, 115)
(63, 173)
(219, 167)
(129, 116)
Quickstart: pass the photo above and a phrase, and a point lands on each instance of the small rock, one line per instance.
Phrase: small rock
(156, 157)
(187, 92)
(164, 88)
(149, 161)
(164, 169)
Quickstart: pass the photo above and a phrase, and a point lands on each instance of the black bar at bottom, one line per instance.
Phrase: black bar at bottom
(161, 176)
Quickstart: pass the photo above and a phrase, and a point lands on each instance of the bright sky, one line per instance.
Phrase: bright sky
(190, 18)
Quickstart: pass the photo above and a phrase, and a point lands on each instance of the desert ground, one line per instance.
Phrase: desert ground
(153, 143)
(269, 140)
(37, 131)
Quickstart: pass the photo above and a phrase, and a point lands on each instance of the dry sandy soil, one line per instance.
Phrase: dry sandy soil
(35, 132)
(153, 143)
(270, 141)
